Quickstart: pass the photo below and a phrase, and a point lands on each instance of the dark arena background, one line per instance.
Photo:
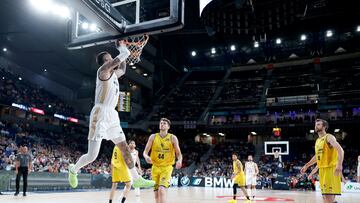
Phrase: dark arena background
(234, 76)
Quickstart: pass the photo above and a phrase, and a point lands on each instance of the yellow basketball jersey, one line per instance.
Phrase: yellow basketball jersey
(117, 157)
(236, 168)
(326, 155)
(162, 151)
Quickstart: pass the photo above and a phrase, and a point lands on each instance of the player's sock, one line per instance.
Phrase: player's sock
(249, 191)
(234, 191)
(123, 200)
(110, 200)
(90, 156)
(254, 192)
(137, 192)
(134, 173)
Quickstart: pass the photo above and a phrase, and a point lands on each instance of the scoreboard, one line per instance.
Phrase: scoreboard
(124, 103)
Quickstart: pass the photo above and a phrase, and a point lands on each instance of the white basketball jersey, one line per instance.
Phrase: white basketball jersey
(250, 168)
(107, 91)
(134, 155)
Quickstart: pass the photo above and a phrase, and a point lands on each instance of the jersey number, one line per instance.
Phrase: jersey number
(161, 156)
(115, 155)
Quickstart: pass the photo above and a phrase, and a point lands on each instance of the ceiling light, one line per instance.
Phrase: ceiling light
(193, 53)
(329, 33)
(85, 25)
(20, 78)
(256, 44)
(4, 49)
(303, 37)
(145, 74)
(213, 51)
(133, 67)
(93, 27)
(278, 41)
(42, 5)
(358, 28)
(232, 48)
(63, 11)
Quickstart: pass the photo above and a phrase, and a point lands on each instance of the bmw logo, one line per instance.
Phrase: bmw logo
(185, 181)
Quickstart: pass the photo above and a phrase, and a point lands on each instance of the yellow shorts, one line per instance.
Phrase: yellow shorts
(329, 183)
(120, 174)
(240, 180)
(161, 175)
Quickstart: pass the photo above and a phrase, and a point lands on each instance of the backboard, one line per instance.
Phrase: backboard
(95, 22)
(281, 146)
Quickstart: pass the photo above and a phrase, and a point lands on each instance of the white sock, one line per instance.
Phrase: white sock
(254, 192)
(89, 157)
(137, 191)
(134, 173)
(249, 192)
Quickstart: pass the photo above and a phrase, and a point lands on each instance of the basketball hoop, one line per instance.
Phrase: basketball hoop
(135, 44)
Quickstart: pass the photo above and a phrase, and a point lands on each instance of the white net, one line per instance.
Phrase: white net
(135, 44)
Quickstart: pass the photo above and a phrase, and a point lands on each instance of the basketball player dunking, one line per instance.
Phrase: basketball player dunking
(104, 119)
(164, 146)
(238, 177)
(120, 172)
(329, 157)
(251, 172)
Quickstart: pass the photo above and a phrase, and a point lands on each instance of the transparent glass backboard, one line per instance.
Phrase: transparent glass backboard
(95, 22)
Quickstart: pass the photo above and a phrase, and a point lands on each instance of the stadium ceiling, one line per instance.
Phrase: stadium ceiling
(38, 41)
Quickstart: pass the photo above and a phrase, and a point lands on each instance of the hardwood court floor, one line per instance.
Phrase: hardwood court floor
(176, 195)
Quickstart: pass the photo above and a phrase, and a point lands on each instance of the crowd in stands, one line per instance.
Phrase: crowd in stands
(186, 103)
(53, 151)
(14, 89)
(285, 117)
(50, 151)
(237, 91)
(219, 162)
(242, 89)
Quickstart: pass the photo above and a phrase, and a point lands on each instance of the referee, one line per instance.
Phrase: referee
(22, 168)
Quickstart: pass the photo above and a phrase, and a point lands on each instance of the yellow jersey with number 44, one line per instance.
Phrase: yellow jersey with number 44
(162, 151)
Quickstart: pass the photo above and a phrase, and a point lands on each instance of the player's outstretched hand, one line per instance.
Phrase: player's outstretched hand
(338, 170)
(178, 165)
(303, 170)
(148, 160)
